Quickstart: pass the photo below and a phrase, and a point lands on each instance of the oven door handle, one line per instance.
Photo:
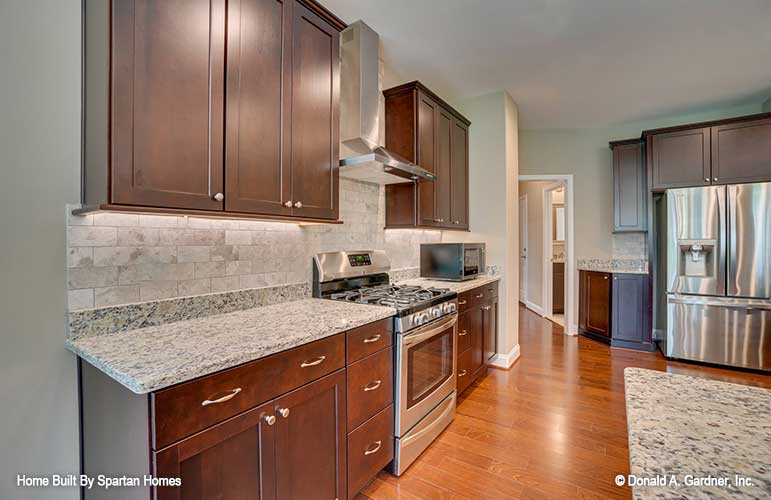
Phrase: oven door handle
(432, 330)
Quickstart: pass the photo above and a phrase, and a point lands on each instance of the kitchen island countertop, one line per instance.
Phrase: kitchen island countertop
(156, 357)
(685, 426)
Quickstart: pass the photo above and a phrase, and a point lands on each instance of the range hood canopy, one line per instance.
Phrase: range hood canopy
(362, 107)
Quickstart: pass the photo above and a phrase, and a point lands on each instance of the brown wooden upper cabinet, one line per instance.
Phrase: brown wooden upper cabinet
(629, 186)
(729, 151)
(424, 129)
(165, 131)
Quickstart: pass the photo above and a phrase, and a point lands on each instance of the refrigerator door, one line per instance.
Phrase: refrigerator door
(696, 229)
(724, 331)
(749, 255)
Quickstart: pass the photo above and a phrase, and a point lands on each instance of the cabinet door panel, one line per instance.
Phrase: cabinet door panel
(629, 194)
(741, 152)
(477, 338)
(427, 116)
(233, 460)
(315, 116)
(680, 159)
(168, 72)
(628, 307)
(598, 302)
(490, 329)
(443, 182)
(258, 121)
(459, 176)
(310, 441)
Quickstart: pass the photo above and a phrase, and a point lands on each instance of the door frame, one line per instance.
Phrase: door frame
(571, 275)
(522, 269)
(548, 250)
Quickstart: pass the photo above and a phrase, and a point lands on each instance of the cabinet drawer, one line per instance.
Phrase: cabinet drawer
(465, 330)
(187, 408)
(465, 300)
(370, 386)
(464, 370)
(370, 448)
(490, 291)
(369, 339)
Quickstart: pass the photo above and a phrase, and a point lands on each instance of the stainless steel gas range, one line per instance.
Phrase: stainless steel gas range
(425, 352)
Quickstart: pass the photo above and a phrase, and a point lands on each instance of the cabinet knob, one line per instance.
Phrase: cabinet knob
(298, 204)
(284, 412)
(288, 204)
(456, 222)
(219, 197)
(714, 179)
(706, 179)
(269, 419)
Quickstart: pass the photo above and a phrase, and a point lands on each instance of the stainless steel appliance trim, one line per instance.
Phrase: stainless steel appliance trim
(447, 261)
(335, 265)
(728, 302)
(406, 418)
(749, 209)
(412, 444)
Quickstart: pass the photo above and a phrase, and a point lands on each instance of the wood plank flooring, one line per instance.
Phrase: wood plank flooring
(553, 427)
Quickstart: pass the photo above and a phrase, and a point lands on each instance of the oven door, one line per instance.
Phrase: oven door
(425, 370)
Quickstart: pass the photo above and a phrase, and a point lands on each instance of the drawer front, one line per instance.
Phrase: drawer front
(465, 330)
(490, 290)
(369, 339)
(187, 408)
(370, 448)
(479, 295)
(465, 300)
(370, 386)
(465, 370)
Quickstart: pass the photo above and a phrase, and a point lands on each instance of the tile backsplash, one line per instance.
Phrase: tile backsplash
(630, 246)
(116, 259)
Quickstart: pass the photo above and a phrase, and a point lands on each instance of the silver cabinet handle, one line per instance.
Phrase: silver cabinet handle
(313, 362)
(485, 308)
(284, 412)
(462, 302)
(371, 339)
(462, 373)
(372, 385)
(219, 197)
(269, 419)
(456, 222)
(298, 204)
(462, 333)
(370, 451)
(288, 204)
(479, 296)
(227, 397)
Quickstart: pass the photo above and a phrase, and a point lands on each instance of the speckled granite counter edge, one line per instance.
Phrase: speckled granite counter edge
(624, 266)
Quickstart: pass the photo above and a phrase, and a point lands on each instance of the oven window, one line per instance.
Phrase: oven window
(471, 261)
(429, 365)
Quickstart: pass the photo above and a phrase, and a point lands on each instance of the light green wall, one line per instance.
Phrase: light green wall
(40, 162)
(585, 154)
(767, 105)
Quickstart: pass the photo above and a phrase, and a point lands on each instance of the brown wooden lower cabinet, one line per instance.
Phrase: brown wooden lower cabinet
(315, 427)
(477, 333)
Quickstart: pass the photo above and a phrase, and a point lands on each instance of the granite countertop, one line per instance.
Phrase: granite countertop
(622, 266)
(152, 358)
(456, 286)
(681, 425)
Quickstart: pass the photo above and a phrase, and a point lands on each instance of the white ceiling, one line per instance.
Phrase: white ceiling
(579, 63)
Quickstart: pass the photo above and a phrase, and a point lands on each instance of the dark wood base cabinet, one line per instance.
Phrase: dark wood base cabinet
(613, 309)
(212, 106)
(320, 432)
(477, 333)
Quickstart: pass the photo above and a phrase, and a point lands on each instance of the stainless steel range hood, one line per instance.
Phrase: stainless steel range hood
(362, 109)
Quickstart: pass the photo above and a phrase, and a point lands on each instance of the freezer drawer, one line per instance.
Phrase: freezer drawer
(749, 229)
(732, 332)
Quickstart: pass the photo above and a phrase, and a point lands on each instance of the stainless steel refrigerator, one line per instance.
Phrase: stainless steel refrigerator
(719, 275)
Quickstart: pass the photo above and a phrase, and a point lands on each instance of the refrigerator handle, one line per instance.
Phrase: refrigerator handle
(730, 261)
(723, 241)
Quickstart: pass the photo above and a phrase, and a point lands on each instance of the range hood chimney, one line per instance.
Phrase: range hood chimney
(362, 114)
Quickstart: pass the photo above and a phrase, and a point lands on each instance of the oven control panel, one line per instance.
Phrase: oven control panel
(425, 316)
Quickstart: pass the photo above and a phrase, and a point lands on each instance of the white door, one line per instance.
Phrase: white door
(523, 248)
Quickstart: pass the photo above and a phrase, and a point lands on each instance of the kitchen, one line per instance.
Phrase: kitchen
(265, 259)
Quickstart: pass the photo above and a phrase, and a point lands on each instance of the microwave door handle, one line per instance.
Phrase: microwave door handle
(433, 329)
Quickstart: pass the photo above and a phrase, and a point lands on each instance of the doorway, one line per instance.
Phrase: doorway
(548, 276)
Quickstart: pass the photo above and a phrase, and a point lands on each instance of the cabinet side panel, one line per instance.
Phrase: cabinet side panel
(116, 438)
(96, 67)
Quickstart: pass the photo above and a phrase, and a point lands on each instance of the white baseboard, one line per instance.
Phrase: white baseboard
(505, 360)
(534, 307)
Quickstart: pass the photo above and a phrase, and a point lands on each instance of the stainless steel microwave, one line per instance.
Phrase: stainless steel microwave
(452, 261)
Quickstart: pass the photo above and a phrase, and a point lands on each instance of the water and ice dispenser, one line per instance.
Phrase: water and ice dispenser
(696, 258)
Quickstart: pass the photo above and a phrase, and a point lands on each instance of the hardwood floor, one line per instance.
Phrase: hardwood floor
(553, 427)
